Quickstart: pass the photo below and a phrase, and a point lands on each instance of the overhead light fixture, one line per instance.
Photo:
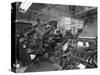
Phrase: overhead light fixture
(24, 6)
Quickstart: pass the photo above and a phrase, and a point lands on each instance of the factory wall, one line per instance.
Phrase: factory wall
(90, 29)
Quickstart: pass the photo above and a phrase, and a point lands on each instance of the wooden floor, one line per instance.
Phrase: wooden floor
(44, 66)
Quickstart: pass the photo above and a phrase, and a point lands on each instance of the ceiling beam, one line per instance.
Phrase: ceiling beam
(84, 12)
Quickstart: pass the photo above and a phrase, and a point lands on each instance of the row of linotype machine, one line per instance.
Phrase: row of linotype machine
(55, 45)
